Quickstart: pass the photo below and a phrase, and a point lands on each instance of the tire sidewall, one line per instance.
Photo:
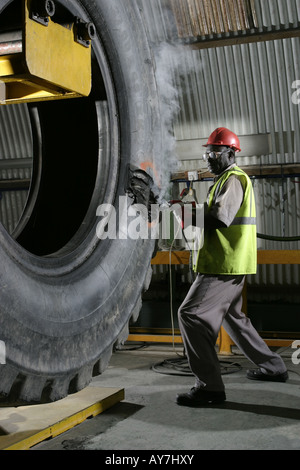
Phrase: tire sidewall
(59, 314)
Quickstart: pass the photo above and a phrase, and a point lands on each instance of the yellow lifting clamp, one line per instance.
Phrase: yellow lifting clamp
(49, 58)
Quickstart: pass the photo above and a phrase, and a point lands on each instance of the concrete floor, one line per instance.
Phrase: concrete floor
(256, 415)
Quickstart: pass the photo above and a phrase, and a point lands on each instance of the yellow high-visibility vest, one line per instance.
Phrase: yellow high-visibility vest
(231, 250)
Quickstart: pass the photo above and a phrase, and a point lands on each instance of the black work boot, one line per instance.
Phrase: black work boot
(200, 397)
(258, 374)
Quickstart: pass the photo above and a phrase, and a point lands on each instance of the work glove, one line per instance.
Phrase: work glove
(141, 188)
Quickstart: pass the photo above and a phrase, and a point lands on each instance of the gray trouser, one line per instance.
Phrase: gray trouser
(211, 302)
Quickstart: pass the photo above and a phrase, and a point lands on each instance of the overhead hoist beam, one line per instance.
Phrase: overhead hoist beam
(48, 58)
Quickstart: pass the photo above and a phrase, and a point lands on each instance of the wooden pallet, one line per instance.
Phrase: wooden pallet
(23, 427)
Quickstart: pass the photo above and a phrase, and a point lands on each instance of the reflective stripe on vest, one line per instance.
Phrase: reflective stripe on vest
(244, 221)
(231, 250)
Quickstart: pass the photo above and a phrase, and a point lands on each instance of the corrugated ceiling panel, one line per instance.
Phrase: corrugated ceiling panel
(277, 12)
(171, 19)
(203, 17)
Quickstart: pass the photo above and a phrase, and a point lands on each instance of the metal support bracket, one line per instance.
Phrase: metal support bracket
(45, 63)
(41, 10)
(84, 32)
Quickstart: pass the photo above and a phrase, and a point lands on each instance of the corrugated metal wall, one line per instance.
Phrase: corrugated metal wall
(246, 87)
(252, 89)
(15, 163)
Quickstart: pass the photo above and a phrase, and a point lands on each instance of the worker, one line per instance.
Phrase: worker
(228, 254)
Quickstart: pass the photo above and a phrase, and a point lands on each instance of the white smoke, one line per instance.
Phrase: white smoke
(170, 70)
(173, 64)
(166, 63)
(2, 352)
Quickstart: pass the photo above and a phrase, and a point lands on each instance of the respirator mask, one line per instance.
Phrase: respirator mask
(218, 161)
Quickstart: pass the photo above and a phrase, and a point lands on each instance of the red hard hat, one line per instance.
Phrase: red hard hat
(223, 136)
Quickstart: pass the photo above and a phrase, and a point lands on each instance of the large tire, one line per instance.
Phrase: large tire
(67, 296)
